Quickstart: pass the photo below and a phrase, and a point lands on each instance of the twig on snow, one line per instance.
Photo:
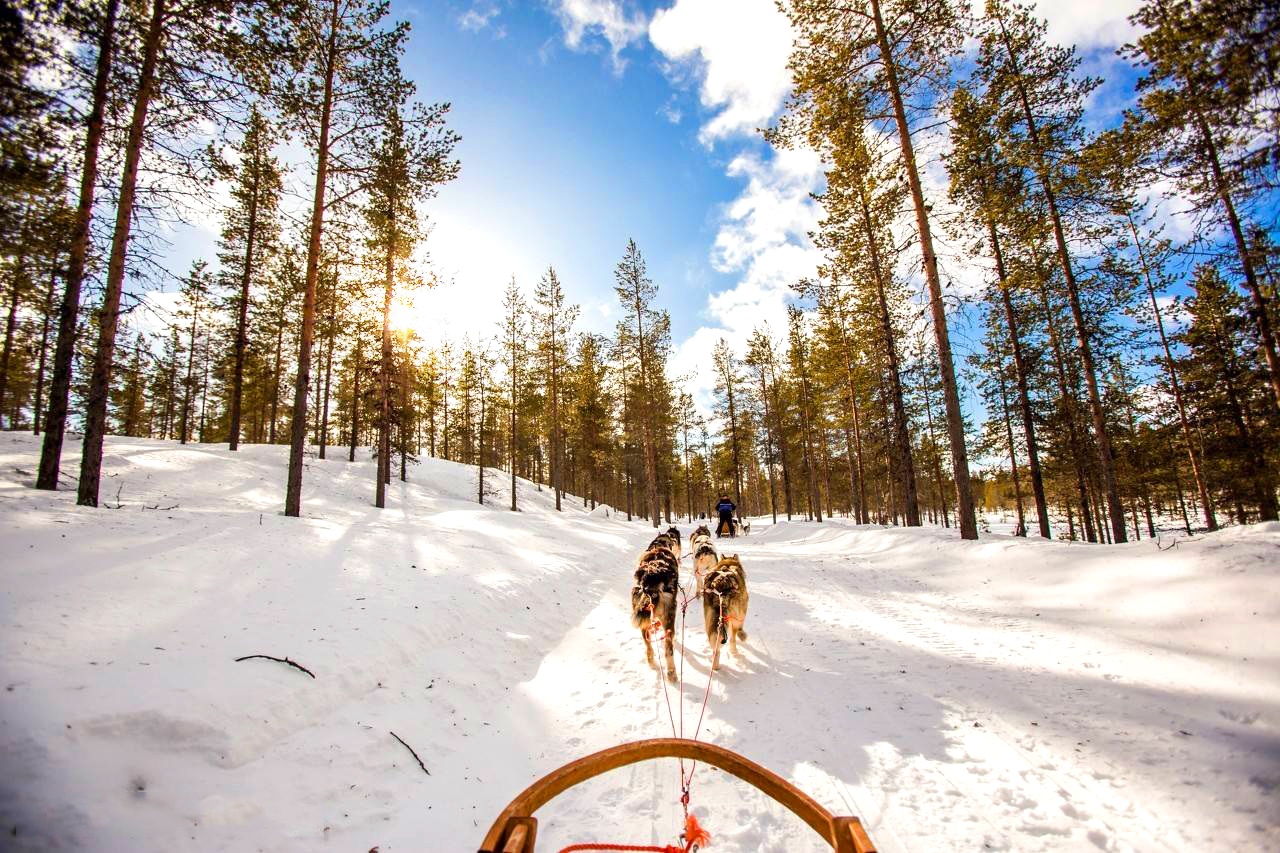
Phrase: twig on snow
(411, 752)
(161, 508)
(291, 663)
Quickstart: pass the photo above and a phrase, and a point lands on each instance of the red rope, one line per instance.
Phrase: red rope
(668, 848)
(694, 836)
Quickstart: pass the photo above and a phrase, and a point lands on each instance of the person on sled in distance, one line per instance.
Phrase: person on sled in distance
(725, 507)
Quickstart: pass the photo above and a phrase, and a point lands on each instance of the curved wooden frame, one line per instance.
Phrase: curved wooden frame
(515, 829)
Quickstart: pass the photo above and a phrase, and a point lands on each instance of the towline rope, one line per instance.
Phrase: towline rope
(694, 835)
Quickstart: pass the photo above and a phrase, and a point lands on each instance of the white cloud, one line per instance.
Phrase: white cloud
(739, 49)
(478, 17)
(1089, 23)
(603, 19)
(763, 239)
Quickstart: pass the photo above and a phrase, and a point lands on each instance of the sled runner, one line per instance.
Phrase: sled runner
(516, 829)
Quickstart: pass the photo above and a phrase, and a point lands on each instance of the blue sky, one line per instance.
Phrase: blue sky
(588, 122)
(566, 154)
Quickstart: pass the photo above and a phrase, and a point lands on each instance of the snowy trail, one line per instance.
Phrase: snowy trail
(1006, 694)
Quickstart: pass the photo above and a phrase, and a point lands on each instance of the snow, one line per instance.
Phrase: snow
(1000, 695)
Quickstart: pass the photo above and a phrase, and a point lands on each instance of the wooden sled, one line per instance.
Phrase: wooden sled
(516, 829)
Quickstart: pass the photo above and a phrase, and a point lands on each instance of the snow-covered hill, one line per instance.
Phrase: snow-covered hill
(1005, 694)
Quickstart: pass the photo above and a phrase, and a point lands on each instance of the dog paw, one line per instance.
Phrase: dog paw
(671, 676)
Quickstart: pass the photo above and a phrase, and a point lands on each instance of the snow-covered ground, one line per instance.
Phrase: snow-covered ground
(1007, 694)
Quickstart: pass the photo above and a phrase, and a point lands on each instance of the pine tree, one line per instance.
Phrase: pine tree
(410, 161)
(195, 288)
(1207, 95)
(346, 60)
(729, 386)
(592, 409)
(643, 337)
(513, 343)
(78, 250)
(979, 179)
(798, 354)
(248, 240)
(194, 55)
(886, 54)
(1036, 82)
(553, 320)
(1226, 384)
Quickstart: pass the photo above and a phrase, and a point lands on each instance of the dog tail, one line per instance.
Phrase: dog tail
(724, 630)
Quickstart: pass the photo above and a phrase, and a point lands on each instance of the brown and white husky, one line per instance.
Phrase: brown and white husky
(724, 606)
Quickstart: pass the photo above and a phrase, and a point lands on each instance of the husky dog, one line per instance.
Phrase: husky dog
(673, 533)
(653, 600)
(701, 534)
(669, 540)
(724, 606)
(704, 553)
(746, 527)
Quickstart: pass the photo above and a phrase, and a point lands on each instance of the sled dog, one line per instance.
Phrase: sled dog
(673, 533)
(667, 540)
(653, 600)
(724, 606)
(704, 553)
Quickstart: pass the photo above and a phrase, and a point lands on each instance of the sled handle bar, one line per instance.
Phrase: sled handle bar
(515, 830)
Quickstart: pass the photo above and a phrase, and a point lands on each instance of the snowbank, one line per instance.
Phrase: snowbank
(1005, 694)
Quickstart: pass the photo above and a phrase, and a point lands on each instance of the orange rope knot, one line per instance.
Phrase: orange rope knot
(695, 834)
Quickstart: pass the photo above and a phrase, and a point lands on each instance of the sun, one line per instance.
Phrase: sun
(407, 315)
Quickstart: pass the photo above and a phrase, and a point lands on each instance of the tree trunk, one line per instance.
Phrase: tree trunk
(937, 458)
(1170, 367)
(782, 445)
(38, 408)
(1020, 375)
(733, 437)
(355, 395)
(1013, 456)
(650, 460)
(11, 320)
(512, 436)
(955, 419)
(100, 383)
(242, 319)
(191, 363)
(204, 387)
(384, 382)
(906, 466)
(1261, 310)
(811, 473)
(332, 332)
(69, 309)
(1258, 470)
(275, 382)
(298, 427)
(1073, 434)
(769, 445)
